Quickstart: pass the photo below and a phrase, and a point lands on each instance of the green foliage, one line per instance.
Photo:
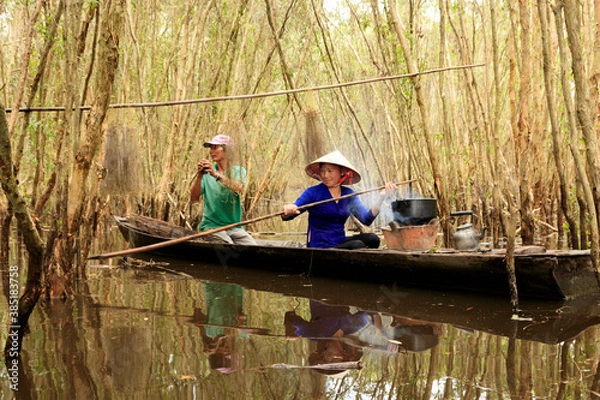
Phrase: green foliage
(567, 227)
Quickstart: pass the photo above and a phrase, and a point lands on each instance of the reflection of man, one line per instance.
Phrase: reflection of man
(224, 313)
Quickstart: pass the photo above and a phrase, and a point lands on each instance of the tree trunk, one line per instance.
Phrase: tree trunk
(551, 101)
(595, 70)
(524, 132)
(25, 60)
(587, 128)
(32, 239)
(510, 222)
(5, 222)
(496, 167)
(78, 198)
(423, 108)
(189, 39)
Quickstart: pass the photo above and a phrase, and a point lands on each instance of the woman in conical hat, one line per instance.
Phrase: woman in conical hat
(326, 221)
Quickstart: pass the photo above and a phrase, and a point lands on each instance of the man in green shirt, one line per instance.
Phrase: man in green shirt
(221, 186)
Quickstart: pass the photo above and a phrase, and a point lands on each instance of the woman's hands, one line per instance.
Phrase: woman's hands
(390, 189)
(387, 192)
(290, 209)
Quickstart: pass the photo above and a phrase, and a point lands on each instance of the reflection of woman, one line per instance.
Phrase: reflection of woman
(328, 326)
(393, 334)
(363, 329)
(326, 321)
(326, 221)
(333, 351)
(224, 313)
(414, 335)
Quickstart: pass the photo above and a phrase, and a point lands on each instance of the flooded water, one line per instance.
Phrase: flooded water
(178, 330)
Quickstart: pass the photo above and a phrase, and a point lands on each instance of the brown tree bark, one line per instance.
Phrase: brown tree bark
(165, 184)
(35, 84)
(524, 129)
(17, 203)
(583, 189)
(31, 237)
(478, 123)
(446, 96)
(495, 134)
(586, 124)
(423, 108)
(552, 114)
(5, 222)
(595, 69)
(25, 59)
(573, 25)
(111, 17)
(276, 35)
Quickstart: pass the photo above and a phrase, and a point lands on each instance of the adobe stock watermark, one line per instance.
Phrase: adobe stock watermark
(390, 298)
(12, 364)
(224, 254)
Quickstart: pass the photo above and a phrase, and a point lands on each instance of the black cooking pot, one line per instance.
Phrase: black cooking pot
(416, 211)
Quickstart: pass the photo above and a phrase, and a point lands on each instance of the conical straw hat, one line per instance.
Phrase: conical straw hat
(335, 157)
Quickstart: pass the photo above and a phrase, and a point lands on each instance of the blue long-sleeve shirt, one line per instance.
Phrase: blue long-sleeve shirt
(326, 320)
(326, 221)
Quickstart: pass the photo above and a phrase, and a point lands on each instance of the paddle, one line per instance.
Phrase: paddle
(224, 228)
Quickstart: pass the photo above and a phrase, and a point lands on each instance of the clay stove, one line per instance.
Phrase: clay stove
(414, 227)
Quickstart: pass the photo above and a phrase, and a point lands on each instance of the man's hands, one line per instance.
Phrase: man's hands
(205, 166)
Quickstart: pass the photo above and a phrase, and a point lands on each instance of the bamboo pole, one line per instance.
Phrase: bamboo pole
(226, 227)
(254, 96)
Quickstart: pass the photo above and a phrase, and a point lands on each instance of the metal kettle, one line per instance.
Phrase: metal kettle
(466, 236)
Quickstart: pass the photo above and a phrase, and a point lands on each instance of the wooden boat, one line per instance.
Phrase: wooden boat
(539, 273)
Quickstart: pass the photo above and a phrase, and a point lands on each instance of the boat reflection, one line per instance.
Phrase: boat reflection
(394, 309)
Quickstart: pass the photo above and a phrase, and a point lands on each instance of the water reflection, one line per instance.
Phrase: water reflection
(334, 329)
(188, 331)
(342, 333)
(224, 313)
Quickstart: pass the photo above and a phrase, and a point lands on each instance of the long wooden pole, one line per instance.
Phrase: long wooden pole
(226, 227)
(252, 96)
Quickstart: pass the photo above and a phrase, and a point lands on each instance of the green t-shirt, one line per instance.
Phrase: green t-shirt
(221, 206)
